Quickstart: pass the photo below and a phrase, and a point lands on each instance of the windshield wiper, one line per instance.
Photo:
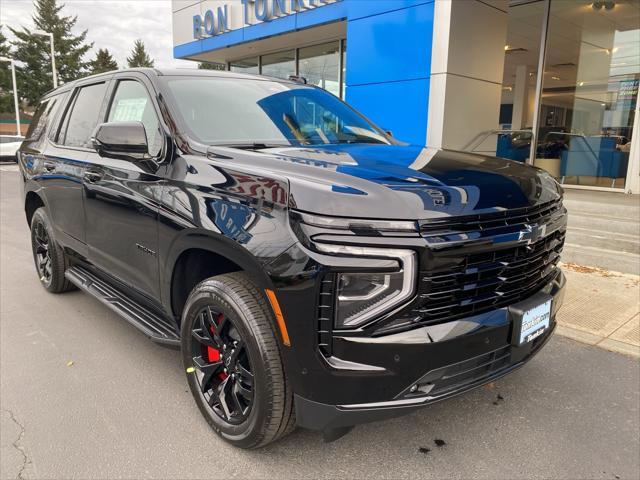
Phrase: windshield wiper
(251, 145)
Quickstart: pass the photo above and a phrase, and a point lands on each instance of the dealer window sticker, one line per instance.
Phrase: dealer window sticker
(129, 110)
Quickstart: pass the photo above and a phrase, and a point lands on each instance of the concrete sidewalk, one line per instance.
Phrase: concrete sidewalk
(601, 308)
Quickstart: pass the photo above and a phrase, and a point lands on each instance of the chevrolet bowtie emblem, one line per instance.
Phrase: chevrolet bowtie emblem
(533, 233)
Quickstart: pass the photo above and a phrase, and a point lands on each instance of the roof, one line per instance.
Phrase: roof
(169, 72)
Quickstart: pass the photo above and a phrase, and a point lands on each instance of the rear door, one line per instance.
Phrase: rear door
(121, 196)
(65, 162)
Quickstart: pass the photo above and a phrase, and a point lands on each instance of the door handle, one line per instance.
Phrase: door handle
(92, 177)
(49, 166)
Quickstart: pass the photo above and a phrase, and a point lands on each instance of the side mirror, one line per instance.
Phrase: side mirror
(121, 140)
(389, 133)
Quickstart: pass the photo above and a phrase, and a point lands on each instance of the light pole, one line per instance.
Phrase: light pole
(15, 92)
(53, 56)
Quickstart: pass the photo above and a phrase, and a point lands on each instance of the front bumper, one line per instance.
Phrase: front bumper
(479, 353)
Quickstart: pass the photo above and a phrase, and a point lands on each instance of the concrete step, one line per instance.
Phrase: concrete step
(616, 242)
(601, 223)
(603, 258)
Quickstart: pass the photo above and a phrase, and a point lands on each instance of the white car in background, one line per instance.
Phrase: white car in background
(9, 145)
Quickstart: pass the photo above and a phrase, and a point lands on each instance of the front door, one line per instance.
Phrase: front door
(121, 207)
(64, 163)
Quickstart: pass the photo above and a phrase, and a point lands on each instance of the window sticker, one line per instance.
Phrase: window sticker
(129, 109)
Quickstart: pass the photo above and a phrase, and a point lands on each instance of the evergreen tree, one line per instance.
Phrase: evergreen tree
(34, 51)
(139, 56)
(211, 66)
(6, 85)
(103, 62)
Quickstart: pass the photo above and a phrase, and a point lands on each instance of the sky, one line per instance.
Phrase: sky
(111, 24)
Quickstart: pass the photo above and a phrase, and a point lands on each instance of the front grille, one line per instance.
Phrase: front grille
(477, 282)
(450, 378)
(489, 221)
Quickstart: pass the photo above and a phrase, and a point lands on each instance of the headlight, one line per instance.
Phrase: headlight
(364, 296)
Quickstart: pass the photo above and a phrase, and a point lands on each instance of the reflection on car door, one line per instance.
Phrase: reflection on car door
(64, 163)
(121, 196)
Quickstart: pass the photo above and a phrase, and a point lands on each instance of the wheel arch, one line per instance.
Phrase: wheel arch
(197, 255)
(32, 202)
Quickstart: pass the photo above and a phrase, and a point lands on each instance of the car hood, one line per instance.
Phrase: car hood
(403, 182)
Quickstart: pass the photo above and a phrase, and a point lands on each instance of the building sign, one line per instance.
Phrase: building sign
(222, 18)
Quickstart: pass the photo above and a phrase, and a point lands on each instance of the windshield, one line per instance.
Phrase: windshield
(236, 111)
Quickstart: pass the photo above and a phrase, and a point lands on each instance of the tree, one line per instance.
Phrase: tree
(211, 66)
(103, 62)
(139, 56)
(34, 51)
(6, 85)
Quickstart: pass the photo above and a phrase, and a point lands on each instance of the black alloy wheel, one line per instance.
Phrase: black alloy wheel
(50, 259)
(223, 366)
(43, 254)
(232, 358)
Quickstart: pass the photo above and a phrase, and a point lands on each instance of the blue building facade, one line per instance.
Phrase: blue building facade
(386, 48)
(458, 74)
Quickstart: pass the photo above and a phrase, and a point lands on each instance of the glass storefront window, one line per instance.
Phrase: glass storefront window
(248, 65)
(513, 133)
(279, 65)
(589, 93)
(320, 65)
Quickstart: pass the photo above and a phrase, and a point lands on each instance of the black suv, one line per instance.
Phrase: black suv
(313, 270)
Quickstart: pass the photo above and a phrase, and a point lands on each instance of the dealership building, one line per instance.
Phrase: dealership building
(553, 83)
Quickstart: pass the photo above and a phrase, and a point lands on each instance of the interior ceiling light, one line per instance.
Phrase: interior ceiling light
(606, 4)
(580, 84)
(555, 77)
(507, 47)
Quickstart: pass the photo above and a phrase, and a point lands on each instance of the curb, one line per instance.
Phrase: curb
(598, 341)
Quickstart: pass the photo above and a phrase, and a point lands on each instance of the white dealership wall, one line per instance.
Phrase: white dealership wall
(466, 70)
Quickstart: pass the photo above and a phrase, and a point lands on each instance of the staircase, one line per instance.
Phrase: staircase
(604, 230)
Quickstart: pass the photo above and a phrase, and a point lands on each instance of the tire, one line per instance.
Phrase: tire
(50, 269)
(235, 310)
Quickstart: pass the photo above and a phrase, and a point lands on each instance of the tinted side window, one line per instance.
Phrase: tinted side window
(131, 103)
(84, 115)
(44, 116)
(39, 120)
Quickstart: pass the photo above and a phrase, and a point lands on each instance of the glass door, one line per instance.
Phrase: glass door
(589, 92)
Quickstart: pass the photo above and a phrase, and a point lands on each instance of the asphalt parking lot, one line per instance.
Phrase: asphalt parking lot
(84, 395)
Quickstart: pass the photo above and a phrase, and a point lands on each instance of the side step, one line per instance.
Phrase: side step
(156, 327)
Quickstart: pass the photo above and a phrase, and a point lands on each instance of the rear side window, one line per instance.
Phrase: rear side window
(42, 118)
(83, 118)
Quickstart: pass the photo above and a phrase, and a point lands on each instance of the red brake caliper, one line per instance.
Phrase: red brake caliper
(214, 355)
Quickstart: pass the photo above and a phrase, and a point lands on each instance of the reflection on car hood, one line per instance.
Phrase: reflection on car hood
(403, 182)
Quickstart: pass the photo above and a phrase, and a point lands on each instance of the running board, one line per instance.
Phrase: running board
(156, 327)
